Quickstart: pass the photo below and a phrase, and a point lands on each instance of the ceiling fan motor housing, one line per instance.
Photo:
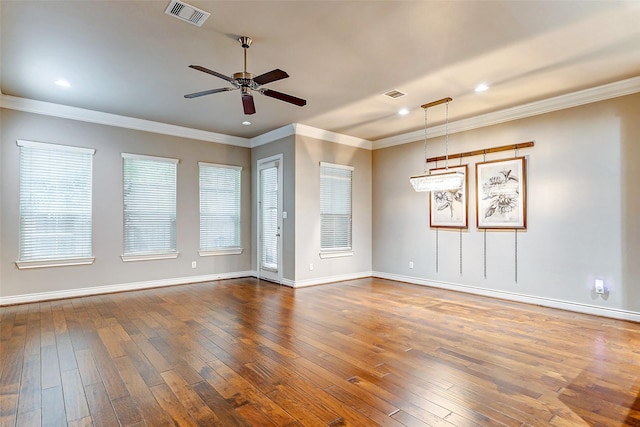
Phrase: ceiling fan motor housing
(245, 41)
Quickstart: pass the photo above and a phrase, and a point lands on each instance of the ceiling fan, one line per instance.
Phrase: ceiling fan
(246, 82)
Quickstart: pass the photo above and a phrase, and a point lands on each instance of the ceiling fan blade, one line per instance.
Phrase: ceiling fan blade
(208, 92)
(271, 76)
(247, 104)
(213, 73)
(284, 97)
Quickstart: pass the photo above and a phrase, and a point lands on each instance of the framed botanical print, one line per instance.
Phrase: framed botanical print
(448, 208)
(501, 200)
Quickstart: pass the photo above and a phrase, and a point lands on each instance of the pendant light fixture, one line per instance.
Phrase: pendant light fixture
(440, 181)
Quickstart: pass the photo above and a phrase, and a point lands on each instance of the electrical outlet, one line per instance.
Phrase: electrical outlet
(310, 267)
(410, 264)
(599, 286)
(193, 264)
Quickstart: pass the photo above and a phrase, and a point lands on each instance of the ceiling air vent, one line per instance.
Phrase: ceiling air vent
(394, 93)
(187, 13)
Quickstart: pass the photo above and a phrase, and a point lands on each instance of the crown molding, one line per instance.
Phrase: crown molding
(575, 99)
(311, 132)
(91, 116)
(326, 135)
(273, 135)
(599, 93)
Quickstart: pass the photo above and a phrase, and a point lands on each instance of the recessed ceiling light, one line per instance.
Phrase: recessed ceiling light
(246, 123)
(63, 83)
(482, 87)
(403, 111)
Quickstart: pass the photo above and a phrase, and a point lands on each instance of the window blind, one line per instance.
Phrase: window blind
(220, 190)
(149, 204)
(335, 207)
(55, 201)
(269, 217)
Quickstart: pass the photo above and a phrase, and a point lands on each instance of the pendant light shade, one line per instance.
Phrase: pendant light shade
(437, 182)
(440, 181)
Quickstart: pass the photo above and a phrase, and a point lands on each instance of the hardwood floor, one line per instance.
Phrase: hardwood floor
(358, 353)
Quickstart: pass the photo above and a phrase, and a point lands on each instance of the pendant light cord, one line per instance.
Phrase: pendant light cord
(446, 138)
(425, 141)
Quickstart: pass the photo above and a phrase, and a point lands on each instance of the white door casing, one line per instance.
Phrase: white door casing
(269, 254)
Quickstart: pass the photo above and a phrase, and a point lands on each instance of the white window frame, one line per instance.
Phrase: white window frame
(148, 255)
(210, 250)
(61, 260)
(344, 251)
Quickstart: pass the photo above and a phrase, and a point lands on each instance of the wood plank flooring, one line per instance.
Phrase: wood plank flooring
(359, 353)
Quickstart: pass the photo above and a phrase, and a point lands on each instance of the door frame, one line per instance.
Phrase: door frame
(265, 163)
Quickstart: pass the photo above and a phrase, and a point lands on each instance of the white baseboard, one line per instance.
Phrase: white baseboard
(325, 280)
(512, 296)
(81, 292)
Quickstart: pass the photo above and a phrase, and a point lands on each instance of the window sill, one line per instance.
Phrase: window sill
(335, 254)
(25, 265)
(149, 257)
(216, 252)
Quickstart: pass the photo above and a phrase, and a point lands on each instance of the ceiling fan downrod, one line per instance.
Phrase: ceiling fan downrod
(245, 42)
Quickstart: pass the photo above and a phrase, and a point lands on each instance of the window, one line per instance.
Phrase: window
(219, 209)
(149, 207)
(269, 203)
(55, 205)
(335, 210)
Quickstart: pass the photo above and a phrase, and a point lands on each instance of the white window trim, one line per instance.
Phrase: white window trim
(338, 253)
(226, 251)
(336, 166)
(231, 250)
(57, 262)
(238, 168)
(335, 254)
(149, 257)
(156, 255)
(64, 262)
(155, 158)
(47, 146)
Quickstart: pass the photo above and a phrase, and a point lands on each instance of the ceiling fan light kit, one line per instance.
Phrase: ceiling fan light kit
(247, 83)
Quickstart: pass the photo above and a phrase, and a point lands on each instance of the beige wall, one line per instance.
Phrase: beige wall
(583, 205)
(629, 111)
(309, 153)
(286, 147)
(109, 143)
(301, 200)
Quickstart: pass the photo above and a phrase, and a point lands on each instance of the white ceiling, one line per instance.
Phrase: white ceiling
(130, 58)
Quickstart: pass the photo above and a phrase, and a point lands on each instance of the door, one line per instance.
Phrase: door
(270, 218)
